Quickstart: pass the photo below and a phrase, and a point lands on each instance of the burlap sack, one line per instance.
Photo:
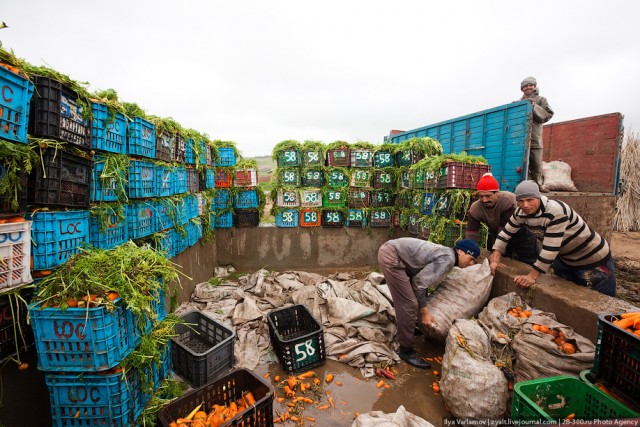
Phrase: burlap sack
(472, 386)
(537, 356)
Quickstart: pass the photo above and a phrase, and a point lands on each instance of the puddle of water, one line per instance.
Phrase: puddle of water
(412, 388)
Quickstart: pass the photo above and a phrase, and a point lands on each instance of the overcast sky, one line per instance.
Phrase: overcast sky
(259, 72)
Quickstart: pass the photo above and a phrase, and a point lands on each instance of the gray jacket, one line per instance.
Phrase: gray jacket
(427, 263)
(542, 113)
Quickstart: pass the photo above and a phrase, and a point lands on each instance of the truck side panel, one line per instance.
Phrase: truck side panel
(591, 146)
(500, 135)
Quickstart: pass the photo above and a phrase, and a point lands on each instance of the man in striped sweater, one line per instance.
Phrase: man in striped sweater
(569, 246)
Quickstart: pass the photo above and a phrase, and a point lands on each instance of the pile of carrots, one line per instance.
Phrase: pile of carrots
(558, 338)
(90, 301)
(629, 322)
(217, 415)
(517, 311)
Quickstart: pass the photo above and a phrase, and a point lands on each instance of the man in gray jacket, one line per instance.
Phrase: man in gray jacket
(411, 267)
(542, 113)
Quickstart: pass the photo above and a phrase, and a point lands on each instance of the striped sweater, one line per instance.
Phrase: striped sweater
(564, 234)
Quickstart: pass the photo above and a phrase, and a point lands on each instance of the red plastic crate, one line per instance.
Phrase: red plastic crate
(223, 178)
(461, 175)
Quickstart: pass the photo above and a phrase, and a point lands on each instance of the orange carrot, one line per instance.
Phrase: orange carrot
(630, 314)
(250, 399)
(380, 384)
(323, 407)
(328, 378)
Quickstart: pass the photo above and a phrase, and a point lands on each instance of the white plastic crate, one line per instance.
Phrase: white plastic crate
(201, 203)
(288, 198)
(15, 252)
(311, 198)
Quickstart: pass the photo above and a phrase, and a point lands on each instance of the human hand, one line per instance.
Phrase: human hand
(426, 318)
(525, 281)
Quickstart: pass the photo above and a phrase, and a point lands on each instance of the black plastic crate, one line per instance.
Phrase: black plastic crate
(617, 360)
(223, 391)
(165, 146)
(203, 352)
(193, 180)
(297, 338)
(55, 113)
(62, 180)
(246, 218)
(5, 204)
(13, 324)
(332, 219)
(180, 152)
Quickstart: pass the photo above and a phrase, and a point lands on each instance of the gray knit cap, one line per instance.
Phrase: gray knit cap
(527, 190)
(528, 81)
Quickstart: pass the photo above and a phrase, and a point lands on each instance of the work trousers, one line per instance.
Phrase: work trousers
(404, 298)
(535, 166)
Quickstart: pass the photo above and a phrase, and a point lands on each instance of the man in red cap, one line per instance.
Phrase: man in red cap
(494, 208)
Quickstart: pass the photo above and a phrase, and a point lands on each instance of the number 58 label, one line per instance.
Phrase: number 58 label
(304, 349)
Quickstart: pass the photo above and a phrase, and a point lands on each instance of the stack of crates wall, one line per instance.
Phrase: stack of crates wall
(224, 218)
(167, 244)
(15, 118)
(15, 254)
(142, 179)
(108, 136)
(56, 113)
(141, 219)
(63, 180)
(57, 236)
(194, 232)
(115, 234)
(165, 212)
(190, 155)
(141, 138)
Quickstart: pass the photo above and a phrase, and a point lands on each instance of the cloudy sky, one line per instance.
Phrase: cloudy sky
(259, 72)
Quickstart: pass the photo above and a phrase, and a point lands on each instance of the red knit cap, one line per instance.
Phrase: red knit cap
(488, 183)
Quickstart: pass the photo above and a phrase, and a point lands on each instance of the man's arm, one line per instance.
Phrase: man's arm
(473, 229)
(542, 112)
(431, 274)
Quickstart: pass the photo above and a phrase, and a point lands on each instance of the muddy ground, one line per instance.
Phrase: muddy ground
(626, 252)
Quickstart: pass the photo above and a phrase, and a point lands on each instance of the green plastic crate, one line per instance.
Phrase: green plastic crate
(334, 199)
(289, 177)
(289, 158)
(553, 399)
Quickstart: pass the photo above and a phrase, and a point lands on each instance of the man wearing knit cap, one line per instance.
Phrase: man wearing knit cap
(411, 267)
(494, 208)
(542, 113)
(575, 251)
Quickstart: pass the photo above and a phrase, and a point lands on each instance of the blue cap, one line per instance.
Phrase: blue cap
(468, 246)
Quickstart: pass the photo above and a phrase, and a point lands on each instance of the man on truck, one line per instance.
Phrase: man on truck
(542, 113)
(411, 267)
(494, 208)
(575, 251)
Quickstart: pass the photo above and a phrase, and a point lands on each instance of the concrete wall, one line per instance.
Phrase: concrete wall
(597, 209)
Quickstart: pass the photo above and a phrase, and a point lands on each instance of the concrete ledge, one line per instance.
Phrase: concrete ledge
(573, 305)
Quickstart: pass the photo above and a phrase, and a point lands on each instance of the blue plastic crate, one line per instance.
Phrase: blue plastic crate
(246, 199)
(142, 179)
(110, 399)
(191, 206)
(14, 103)
(179, 243)
(428, 202)
(226, 157)
(141, 138)
(82, 339)
(287, 218)
(190, 154)
(164, 179)
(111, 137)
(194, 232)
(141, 219)
(99, 192)
(166, 243)
(162, 211)
(205, 156)
(210, 176)
(224, 220)
(179, 180)
(57, 236)
(221, 199)
(115, 234)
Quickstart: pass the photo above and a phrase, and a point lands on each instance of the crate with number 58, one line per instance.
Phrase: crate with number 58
(312, 158)
(297, 338)
(361, 158)
(311, 198)
(309, 218)
(383, 159)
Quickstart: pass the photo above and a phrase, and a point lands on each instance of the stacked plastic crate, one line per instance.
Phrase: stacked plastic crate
(383, 195)
(246, 196)
(61, 119)
(286, 194)
(108, 213)
(360, 185)
(15, 232)
(224, 171)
